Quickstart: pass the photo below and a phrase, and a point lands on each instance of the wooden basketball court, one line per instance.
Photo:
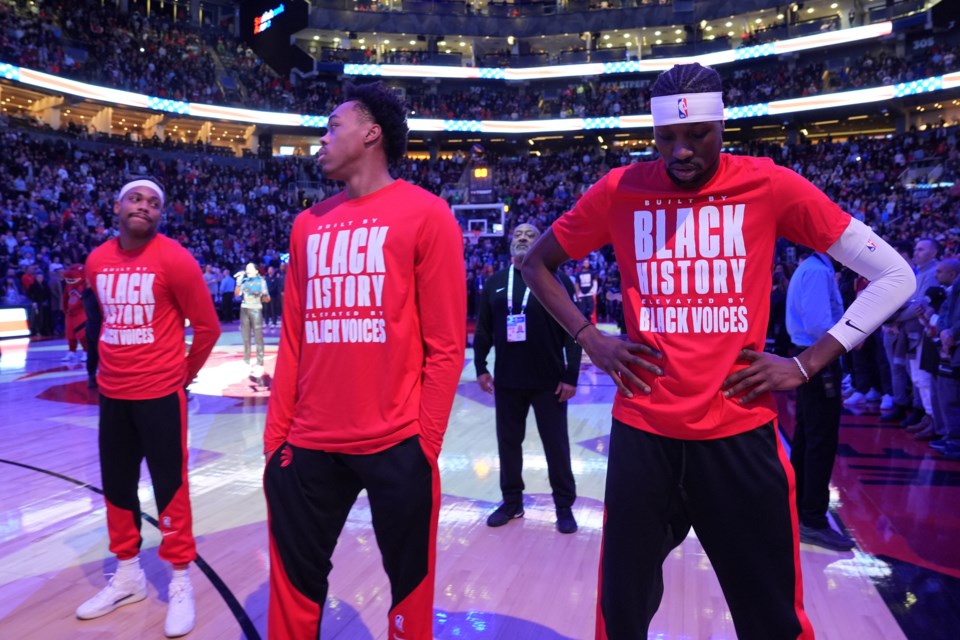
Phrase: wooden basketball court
(522, 581)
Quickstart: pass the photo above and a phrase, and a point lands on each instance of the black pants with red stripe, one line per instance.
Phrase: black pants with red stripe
(131, 430)
(738, 495)
(309, 496)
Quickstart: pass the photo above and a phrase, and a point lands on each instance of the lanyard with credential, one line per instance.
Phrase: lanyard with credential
(516, 322)
(526, 295)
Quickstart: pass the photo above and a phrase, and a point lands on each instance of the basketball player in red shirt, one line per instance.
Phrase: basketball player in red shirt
(694, 440)
(74, 316)
(370, 356)
(147, 286)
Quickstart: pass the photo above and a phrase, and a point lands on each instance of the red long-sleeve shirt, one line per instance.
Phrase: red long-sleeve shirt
(145, 296)
(374, 324)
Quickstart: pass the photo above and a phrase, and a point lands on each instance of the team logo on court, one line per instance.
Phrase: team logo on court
(286, 456)
(682, 111)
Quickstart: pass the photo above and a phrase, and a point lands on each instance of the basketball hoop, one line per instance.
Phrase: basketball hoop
(474, 236)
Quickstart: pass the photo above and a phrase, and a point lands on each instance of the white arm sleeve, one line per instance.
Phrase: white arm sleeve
(891, 282)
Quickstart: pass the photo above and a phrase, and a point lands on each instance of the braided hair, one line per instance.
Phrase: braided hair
(686, 78)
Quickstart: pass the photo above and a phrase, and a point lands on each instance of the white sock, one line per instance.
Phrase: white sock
(180, 575)
(129, 567)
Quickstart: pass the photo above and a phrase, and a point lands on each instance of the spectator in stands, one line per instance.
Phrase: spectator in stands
(895, 348)
(813, 307)
(931, 348)
(227, 286)
(947, 324)
(586, 284)
(212, 279)
(274, 307)
(920, 423)
(42, 299)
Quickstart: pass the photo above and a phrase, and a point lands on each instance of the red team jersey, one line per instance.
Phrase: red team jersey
(374, 324)
(145, 295)
(697, 270)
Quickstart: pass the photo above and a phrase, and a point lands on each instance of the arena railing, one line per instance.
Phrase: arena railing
(781, 107)
(637, 121)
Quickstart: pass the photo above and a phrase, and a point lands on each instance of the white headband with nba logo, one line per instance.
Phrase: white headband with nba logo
(141, 182)
(687, 107)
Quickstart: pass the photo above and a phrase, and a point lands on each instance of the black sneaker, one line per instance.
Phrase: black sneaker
(825, 537)
(504, 514)
(951, 451)
(566, 523)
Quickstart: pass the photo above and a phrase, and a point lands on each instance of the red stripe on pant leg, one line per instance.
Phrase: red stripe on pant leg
(806, 632)
(601, 631)
(123, 532)
(176, 521)
(412, 618)
(290, 614)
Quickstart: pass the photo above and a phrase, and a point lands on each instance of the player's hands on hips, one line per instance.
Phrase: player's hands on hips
(485, 380)
(565, 391)
(617, 356)
(764, 372)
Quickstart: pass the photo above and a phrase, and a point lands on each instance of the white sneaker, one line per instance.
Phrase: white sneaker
(873, 396)
(181, 613)
(855, 398)
(120, 591)
(83, 356)
(886, 404)
(70, 357)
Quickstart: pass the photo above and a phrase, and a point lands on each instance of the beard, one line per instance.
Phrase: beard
(518, 250)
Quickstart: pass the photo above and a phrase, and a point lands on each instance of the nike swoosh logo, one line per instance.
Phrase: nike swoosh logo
(853, 326)
(500, 289)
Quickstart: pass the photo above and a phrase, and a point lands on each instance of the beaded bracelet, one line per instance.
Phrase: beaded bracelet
(580, 330)
(803, 371)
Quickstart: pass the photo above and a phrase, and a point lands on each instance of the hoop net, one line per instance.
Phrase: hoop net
(474, 236)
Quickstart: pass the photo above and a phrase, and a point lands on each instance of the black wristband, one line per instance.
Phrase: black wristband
(579, 331)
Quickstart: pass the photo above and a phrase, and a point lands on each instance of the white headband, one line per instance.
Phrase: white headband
(141, 183)
(687, 107)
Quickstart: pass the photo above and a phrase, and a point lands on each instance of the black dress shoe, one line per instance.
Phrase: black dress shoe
(566, 523)
(915, 416)
(897, 414)
(505, 513)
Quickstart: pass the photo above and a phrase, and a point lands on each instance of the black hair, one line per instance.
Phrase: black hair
(383, 106)
(803, 251)
(133, 178)
(686, 78)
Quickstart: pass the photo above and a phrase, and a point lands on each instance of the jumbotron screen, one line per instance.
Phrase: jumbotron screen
(266, 25)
